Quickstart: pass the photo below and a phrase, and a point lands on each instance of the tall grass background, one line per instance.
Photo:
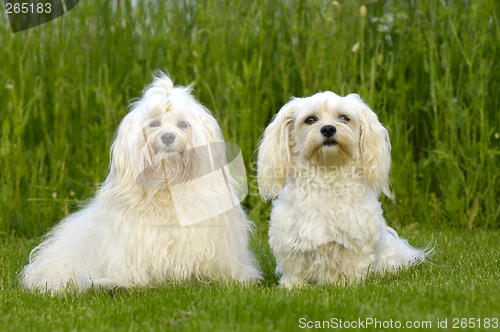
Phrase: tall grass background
(430, 69)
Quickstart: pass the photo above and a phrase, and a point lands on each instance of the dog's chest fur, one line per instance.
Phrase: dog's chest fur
(318, 222)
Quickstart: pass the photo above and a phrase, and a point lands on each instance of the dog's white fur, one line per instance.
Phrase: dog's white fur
(129, 234)
(327, 224)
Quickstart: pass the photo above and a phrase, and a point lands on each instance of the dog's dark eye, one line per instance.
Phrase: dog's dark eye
(344, 118)
(183, 125)
(154, 124)
(311, 120)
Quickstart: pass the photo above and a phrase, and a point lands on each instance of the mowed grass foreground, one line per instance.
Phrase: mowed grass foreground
(428, 68)
(461, 282)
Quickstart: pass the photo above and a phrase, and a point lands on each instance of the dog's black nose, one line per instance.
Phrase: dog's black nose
(328, 130)
(168, 138)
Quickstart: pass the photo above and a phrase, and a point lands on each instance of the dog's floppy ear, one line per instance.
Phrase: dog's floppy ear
(212, 152)
(123, 159)
(275, 157)
(211, 128)
(375, 147)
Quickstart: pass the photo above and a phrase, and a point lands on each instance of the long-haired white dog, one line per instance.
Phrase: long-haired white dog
(167, 210)
(327, 158)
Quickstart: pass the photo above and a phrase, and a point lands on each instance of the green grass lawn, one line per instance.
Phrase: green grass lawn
(461, 281)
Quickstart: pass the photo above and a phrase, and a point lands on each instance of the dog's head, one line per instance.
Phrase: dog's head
(164, 137)
(324, 130)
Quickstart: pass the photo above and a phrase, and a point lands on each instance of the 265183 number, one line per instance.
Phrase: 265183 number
(475, 322)
(28, 8)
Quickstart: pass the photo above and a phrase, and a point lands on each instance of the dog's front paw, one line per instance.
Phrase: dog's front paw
(292, 282)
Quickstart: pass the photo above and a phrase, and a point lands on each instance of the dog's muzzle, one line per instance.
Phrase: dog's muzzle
(168, 138)
(328, 130)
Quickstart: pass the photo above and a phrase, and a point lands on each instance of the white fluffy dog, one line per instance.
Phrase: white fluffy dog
(327, 157)
(167, 210)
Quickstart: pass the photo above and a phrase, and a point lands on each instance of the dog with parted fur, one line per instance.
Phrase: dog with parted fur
(327, 158)
(132, 233)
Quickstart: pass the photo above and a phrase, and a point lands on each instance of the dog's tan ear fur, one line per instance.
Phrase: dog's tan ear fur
(211, 128)
(375, 147)
(275, 157)
(123, 152)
